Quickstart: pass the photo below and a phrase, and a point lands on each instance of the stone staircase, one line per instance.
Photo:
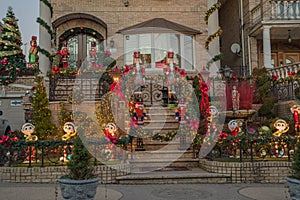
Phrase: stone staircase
(158, 155)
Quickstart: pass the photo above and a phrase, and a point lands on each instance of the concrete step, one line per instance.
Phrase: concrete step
(137, 165)
(160, 110)
(163, 154)
(193, 175)
(153, 145)
(161, 126)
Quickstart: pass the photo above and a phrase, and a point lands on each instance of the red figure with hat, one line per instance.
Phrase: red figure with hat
(64, 55)
(33, 56)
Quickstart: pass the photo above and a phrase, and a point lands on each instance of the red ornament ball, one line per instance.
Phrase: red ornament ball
(10, 23)
(61, 38)
(4, 61)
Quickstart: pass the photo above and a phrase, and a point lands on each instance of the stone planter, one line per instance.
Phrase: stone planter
(294, 187)
(78, 189)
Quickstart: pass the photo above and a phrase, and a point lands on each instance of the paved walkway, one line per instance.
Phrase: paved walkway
(15, 191)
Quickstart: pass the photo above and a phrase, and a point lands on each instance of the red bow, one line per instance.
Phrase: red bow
(4, 140)
(182, 72)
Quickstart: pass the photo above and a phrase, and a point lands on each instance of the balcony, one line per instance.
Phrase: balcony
(277, 10)
(287, 82)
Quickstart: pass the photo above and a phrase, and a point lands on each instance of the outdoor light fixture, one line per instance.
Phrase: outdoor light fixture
(226, 72)
(289, 38)
(112, 43)
(205, 74)
(126, 3)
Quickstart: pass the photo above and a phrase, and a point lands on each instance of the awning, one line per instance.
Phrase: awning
(158, 25)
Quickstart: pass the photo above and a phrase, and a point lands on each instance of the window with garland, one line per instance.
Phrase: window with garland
(79, 42)
(154, 47)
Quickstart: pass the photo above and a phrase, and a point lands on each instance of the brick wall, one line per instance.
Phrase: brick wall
(247, 172)
(106, 173)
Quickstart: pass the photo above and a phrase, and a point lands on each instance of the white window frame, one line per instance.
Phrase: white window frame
(128, 55)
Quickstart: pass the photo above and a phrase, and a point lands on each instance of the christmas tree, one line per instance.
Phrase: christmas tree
(42, 114)
(12, 60)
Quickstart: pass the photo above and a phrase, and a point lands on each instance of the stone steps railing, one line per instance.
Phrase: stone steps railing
(283, 71)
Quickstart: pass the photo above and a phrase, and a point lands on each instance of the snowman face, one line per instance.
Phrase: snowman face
(28, 129)
(232, 125)
(111, 127)
(69, 128)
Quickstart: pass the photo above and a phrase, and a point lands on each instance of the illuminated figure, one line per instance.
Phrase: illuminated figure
(281, 126)
(28, 130)
(70, 132)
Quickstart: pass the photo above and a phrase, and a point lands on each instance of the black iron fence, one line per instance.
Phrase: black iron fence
(43, 153)
(285, 91)
(249, 148)
(88, 88)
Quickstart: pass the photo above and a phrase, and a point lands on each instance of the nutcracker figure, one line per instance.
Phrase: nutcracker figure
(139, 110)
(93, 55)
(181, 112)
(296, 111)
(138, 70)
(64, 55)
(33, 51)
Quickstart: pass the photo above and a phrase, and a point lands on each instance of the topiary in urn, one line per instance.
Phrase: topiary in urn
(80, 183)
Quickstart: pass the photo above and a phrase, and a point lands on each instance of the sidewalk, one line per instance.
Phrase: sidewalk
(15, 191)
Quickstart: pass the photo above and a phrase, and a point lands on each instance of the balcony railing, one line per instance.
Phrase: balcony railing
(285, 9)
(283, 71)
(275, 10)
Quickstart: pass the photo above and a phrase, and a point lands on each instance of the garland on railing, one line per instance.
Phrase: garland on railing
(47, 3)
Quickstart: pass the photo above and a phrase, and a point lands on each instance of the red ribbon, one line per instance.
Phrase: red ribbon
(204, 106)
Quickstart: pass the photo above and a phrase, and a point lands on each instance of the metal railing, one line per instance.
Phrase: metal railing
(62, 87)
(283, 71)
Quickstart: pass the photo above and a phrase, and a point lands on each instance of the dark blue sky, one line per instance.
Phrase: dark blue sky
(26, 11)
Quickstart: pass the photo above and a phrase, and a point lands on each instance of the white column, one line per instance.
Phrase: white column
(267, 46)
(44, 38)
(213, 26)
(297, 9)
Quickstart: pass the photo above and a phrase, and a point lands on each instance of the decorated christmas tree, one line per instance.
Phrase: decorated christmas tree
(42, 114)
(12, 60)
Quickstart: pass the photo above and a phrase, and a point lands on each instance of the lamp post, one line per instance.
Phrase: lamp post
(226, 73)
(205, 74)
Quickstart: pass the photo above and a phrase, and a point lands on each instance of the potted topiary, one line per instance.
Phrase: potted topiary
(294, 179)
(81, 182)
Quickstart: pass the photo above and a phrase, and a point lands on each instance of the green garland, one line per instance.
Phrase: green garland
(45, 25)
(45, 52)
(47, 3)
(212, 37)
(212, 9)
(76, 31)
